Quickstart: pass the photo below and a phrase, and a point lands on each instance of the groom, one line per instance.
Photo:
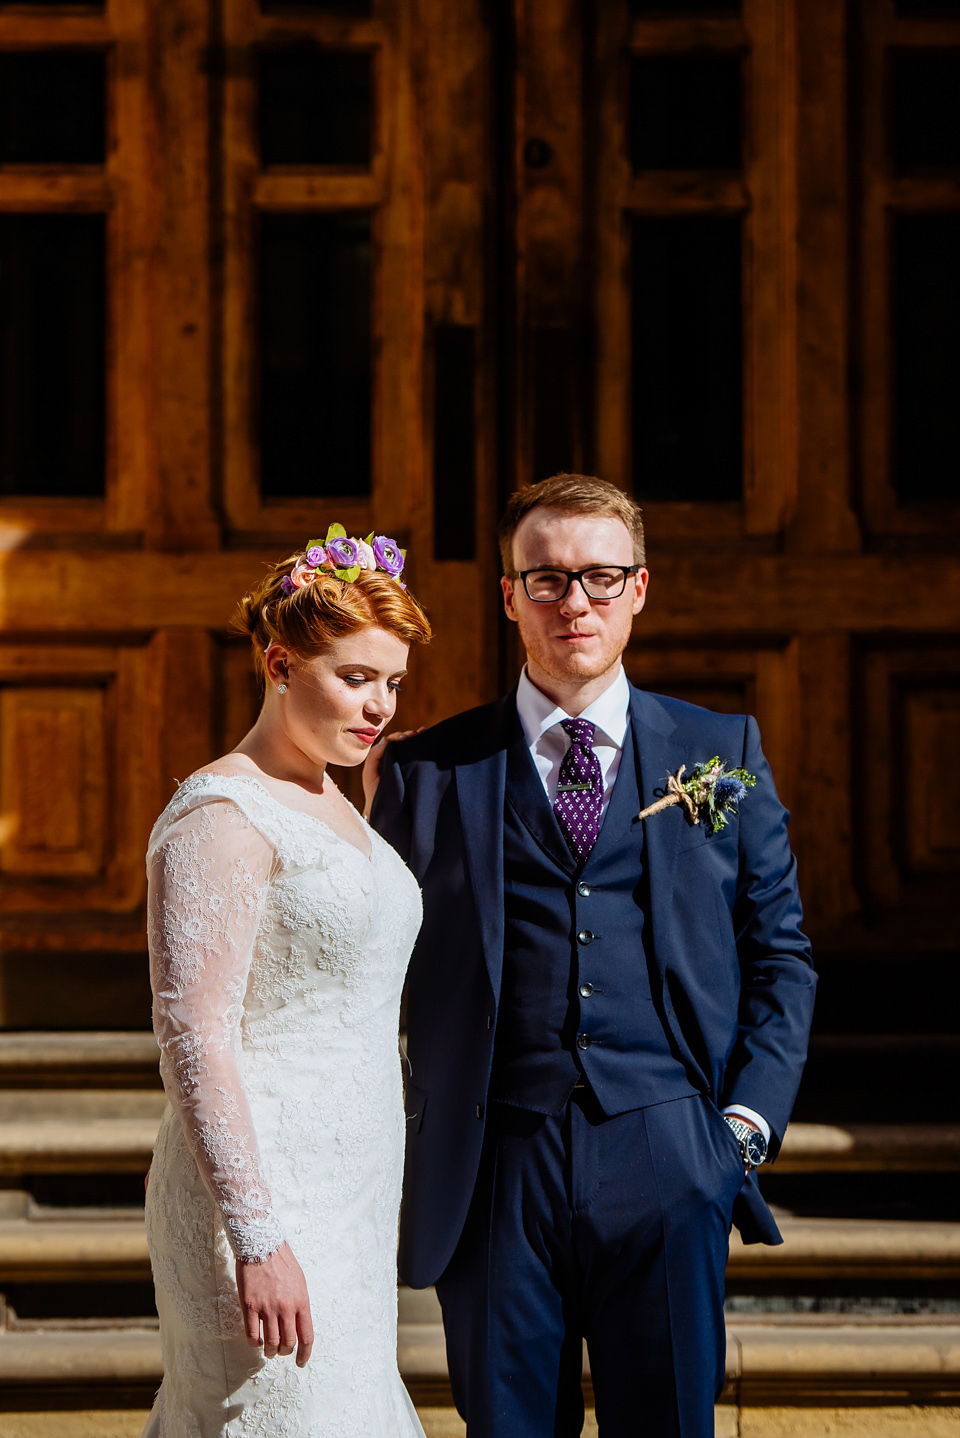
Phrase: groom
(608, 1015)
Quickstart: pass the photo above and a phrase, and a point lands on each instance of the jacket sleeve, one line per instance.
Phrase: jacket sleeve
(776, 969)
(389, 814)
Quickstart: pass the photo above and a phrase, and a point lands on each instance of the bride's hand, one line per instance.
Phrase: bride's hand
(371, 766)
(274, 1294)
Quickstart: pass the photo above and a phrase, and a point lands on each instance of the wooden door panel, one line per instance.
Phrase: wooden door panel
(907, 735)
(75, 799)
(53, 782)
(762, 681)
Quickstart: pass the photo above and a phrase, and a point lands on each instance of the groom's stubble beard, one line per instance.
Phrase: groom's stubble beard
(570, 665)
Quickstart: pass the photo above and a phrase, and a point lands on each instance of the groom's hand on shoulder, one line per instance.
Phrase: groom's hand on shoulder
(373, 761)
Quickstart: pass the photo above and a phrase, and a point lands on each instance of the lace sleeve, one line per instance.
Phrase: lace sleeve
(207, 881)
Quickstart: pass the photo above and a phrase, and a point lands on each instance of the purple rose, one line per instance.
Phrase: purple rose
(342, 553)
(288, 586)
(387, 555)
(315, 556)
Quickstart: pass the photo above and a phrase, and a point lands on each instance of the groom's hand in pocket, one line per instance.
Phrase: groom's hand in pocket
(275, 1303)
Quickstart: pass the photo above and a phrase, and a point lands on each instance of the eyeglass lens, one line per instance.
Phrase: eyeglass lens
(545, 585)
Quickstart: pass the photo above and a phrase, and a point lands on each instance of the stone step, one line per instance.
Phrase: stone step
(88, 1060)
(108, 1250)
(850, 1248)
(865, 1148)
(84, 1130)
(775, 1363)
(113, 1131)
(73, 1251)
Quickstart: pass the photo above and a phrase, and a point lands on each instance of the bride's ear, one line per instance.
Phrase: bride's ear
(277, 663)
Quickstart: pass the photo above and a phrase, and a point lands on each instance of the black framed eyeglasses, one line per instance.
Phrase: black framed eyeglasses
(600, 581)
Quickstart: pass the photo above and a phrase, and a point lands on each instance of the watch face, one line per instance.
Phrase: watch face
(755, 1147)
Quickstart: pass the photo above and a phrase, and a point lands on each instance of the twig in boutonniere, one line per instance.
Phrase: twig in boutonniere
(708, 796)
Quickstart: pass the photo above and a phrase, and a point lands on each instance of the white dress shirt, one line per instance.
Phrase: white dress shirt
(548, 742)
(541, 719)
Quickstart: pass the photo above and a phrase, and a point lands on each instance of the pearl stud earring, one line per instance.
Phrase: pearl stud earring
(281, 688)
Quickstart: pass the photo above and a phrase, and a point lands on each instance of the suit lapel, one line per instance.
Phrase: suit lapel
(619, 819)
(657, 755)
(481, 783)
(527, 796)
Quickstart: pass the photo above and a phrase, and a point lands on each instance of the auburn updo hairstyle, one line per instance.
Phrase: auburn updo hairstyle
(326, 610)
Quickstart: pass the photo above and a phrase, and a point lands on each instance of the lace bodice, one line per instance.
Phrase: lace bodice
(272, 940)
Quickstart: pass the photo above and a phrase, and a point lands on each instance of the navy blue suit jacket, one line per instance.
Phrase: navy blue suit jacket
(733, 968)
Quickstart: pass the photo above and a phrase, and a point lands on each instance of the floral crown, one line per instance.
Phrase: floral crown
(345, 558)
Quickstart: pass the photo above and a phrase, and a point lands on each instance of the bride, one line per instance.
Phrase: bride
(280, 926)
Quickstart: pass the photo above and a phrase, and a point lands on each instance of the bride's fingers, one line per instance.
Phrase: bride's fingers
(305, 1334)
(288, 1332)
(251, 1324)
(271, 1335)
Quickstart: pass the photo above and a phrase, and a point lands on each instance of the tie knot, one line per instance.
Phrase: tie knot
(581, 731)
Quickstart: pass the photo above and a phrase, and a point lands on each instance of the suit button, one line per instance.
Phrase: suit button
(583, 890)
(585, 936)
(584, 1041)
(479, 1110)
(586, 990)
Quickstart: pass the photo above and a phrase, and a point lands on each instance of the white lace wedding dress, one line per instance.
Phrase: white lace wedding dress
(278, 952)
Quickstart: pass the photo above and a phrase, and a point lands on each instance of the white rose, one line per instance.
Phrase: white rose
(365, 555)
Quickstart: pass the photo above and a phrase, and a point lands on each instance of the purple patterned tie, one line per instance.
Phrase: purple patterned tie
(579, 789)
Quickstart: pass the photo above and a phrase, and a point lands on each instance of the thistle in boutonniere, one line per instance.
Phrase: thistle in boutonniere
(707, 796)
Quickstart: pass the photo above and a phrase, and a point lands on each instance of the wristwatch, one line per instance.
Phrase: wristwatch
(753, 1145)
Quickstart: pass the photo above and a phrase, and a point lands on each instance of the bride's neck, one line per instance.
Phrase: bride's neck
(270, 748)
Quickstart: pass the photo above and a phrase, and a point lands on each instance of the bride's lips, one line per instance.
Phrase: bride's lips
(367, 736)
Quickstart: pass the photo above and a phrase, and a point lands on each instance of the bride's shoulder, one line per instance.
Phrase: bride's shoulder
(226, 787)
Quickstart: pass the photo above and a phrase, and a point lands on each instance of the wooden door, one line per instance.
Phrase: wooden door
(735, 279)
(382, 260)
(241, 295)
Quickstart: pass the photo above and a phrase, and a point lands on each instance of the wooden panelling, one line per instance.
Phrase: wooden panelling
(177, 141)
(739, 594)
(75, 805)
(237, 701)
(52, 782)
(763, 192)
(178, 723)
(882, 195)
(548, 283)
(907, 735)
(931, 723)
(822, 822)
(155, 189)
(392, 192)
(501, 195)
(823, 519)
(458, 163)
(762, 681)
(93, 741)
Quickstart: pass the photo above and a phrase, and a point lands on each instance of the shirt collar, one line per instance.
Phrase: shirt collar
(609, 714)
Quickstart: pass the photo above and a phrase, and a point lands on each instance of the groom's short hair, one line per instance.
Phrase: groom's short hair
(570, 494)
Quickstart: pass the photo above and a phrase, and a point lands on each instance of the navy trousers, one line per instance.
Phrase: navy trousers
(611, 1229)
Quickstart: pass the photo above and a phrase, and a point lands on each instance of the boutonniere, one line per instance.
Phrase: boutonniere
(707, 796)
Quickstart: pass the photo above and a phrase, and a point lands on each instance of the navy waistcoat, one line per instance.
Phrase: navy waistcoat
(576, 996)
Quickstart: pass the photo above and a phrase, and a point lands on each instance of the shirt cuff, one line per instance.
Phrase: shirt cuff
(751, 1114)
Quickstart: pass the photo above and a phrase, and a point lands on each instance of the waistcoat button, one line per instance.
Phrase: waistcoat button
(584, 1041)
(583, 890)
(585, 936)
(586, 990)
